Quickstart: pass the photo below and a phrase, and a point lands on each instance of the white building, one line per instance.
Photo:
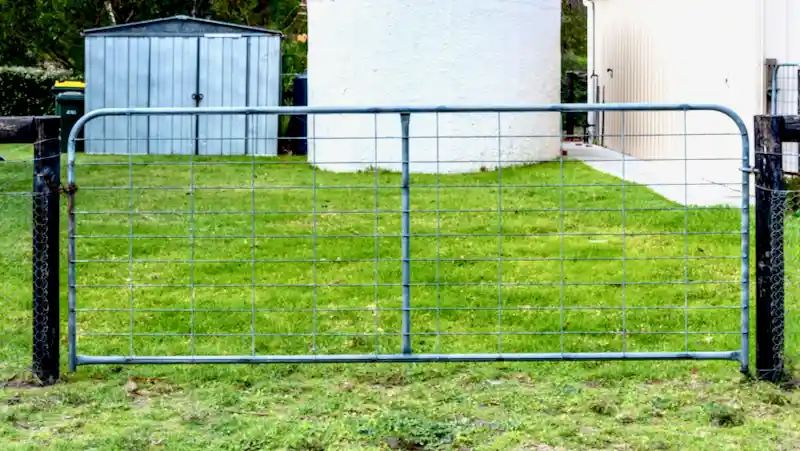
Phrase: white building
(687, 51)
(433, 52)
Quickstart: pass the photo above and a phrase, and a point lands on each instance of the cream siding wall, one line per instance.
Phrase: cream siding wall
(782, 42)
(782, 33)
(680, 51)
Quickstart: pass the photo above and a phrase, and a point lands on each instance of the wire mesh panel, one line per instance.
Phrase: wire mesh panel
(17, 218)
(789, 315)
(784, 262)
(416, 234)
(785, 100)
(777, 215)
(782, 331)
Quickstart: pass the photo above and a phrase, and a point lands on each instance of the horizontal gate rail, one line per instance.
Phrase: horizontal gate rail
(404, 187)
(415, 358)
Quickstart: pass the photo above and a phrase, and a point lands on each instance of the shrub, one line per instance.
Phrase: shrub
(27, 91)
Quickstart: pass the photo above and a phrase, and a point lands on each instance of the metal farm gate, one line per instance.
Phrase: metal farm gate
(397, 255)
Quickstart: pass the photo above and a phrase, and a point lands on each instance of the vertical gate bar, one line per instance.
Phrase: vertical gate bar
(774, 91)
(686, 231)
(131, 282)
(624, 206)
(149, 88)
(603, 118)
(247, 97)
(72, 351)
(197, 98)
(315, 232)
(744, 357)
(797, 91)
(406, 229)
(562, 320)
(500, 233)
(192, 252)
(376, 229)
(438, 240)
(46, 182)
(769, 254)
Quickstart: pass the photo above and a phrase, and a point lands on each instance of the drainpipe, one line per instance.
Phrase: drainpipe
(592, 82)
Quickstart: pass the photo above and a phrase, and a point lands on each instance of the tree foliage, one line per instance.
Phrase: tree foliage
(28, 91)
(41, 32)
(48, 32)
(573, 36)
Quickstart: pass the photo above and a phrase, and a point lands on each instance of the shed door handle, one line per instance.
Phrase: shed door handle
(197, 97)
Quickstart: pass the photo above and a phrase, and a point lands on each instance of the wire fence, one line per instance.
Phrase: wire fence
(786, 321)
(791, 303)
(777, 261)
(17, 220)
(29, 249)
(415, 235)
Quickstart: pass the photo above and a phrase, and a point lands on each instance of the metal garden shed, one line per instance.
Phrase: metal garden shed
(182, 62)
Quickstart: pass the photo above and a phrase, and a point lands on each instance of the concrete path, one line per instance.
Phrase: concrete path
(667, 178)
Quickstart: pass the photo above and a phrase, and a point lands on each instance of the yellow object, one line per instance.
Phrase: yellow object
(69, 84)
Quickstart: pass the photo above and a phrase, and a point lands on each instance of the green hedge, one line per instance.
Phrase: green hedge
(27, 91)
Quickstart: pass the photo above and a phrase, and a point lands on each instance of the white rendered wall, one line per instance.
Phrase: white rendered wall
(681, 51)
(433, 52)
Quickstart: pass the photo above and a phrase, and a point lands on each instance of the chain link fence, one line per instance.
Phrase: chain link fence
(777, 256)
(16, 260)
(783, 285)
(29, 265)
(785, 259)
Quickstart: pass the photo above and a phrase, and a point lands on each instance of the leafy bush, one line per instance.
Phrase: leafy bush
(27, 91)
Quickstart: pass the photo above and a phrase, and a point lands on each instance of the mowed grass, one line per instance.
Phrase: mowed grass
(546, 274)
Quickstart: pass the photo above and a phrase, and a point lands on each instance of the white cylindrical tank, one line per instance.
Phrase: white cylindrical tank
(366, 53)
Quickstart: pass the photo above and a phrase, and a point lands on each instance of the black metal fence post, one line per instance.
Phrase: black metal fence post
(46, 182)
(769, 210)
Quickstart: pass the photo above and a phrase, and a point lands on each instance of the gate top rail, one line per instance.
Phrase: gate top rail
(400, 109)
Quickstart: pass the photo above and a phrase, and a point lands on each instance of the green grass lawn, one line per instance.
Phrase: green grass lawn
(567, 280)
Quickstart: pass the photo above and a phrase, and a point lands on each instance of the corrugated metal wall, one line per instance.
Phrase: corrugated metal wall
(681, 51)
(124, 71)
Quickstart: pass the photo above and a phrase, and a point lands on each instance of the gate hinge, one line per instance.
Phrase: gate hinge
(69, 189)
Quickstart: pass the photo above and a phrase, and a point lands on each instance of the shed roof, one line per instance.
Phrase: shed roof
(177, 26)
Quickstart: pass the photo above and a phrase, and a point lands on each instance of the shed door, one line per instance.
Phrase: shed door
(223, 82)
(173, 81)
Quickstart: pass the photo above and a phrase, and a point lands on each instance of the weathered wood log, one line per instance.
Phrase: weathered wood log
(15, 130)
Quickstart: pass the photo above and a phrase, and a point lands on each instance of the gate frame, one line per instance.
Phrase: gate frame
(741, 355)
